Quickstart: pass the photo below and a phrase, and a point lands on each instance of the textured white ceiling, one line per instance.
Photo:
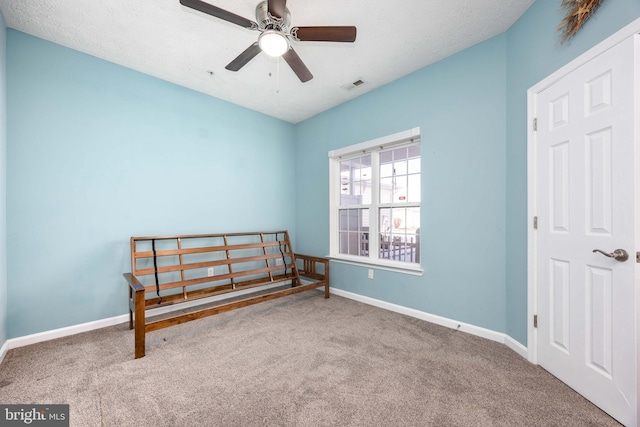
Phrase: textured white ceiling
(167, 40)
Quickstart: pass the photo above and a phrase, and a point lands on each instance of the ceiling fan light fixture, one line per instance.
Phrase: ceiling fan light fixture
(273, 43)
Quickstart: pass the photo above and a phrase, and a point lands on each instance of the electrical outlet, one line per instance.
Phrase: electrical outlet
(278, 261)
(370, 273)
(210, 271)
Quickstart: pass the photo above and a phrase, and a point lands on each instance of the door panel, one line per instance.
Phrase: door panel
(559, 305)
(559, 203)
(599, 334)
(599, 189)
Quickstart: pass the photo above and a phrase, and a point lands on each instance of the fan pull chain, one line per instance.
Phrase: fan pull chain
(278, 60)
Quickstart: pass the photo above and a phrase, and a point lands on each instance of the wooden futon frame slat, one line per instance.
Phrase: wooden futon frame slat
(179, 269)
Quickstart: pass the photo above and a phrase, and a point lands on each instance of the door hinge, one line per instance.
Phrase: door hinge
(535, 222)
(535, 124)
(638, 257)
(535, 320)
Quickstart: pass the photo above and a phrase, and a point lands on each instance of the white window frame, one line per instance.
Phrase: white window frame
(335, 156)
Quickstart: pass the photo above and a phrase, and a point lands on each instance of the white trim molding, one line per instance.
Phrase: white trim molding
(112, 321)
(64, 332)
(378, 264)
(394, 139)
(3, 351)
(438, 320)
(117, 320)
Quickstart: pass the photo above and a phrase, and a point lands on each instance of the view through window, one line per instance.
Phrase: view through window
(378, 213)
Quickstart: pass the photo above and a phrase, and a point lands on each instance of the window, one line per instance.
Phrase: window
(375, 201)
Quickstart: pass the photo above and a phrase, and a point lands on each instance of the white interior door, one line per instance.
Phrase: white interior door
(586, 200)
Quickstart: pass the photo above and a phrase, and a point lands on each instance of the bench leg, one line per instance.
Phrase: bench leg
(139, 332)
(130, 310)
(326, 278)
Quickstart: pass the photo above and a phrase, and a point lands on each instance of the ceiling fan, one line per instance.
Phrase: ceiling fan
(276, 33)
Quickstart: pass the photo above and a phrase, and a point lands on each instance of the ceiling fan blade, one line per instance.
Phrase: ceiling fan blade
(244, 57)
(212, 10)
(297, 65)
(325, 34)
(277, 8)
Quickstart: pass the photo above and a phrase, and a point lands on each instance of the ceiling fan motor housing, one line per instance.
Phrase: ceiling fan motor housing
(267, 22)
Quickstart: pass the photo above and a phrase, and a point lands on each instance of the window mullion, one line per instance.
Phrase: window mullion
(334, 205)
(374, 220)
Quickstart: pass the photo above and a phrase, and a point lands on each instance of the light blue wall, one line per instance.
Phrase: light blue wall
(94, 150)
(472, 111)
(3, 183)
(533, 54)
(460, 106)
(99, 153)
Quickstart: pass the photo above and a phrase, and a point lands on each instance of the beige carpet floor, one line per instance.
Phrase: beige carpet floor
(297, 361)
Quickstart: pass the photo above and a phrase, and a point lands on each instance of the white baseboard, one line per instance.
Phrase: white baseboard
(516, 346)
(63, 332)
(103, 323)
(3, 351)
(438, 320)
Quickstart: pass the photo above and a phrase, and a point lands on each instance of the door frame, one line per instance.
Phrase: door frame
(532, 193)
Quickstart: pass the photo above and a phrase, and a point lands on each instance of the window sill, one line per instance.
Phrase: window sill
(397, 267)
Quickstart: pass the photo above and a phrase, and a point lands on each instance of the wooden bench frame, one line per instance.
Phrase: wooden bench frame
(255, 260)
